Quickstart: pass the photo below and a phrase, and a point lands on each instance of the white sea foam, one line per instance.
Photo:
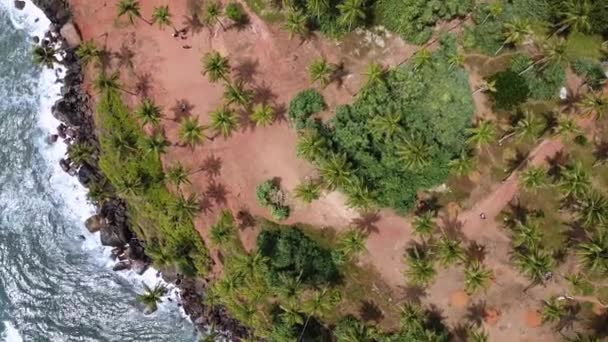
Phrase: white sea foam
(71, 192)
(10, 333)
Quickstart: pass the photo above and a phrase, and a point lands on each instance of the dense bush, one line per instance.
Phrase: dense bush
(415, 19)
(415, 116)
(511, 89)
(543, 81)
(268, 194)
(293, 254)
(592, 72)
(303, 106)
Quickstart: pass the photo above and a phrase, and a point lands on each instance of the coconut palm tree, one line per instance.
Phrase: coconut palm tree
(413, 153)
(311, 146)
(288, 288)
(152, 296)
(535, 264)
(148, 112)
(352, 12)
(575, 180)
(237, 93)
(359, 196)
(526, 235)
(456, 59)
(486, 86)
(374, 73)
(594, 104)
(424, 226)
(191, 133)
(109, 83)
(533, 178)
(554, 52)
(423, 58)
(222, 232)
(477, 334)
(576, 15)
(296, 24)
(45, 56)
(553, 310)
(80, 153)
(483, 134)
(88, 52)
(352, 243)
(129, 186)
(516, 32)
(420, 270)
(224, 121)
(308, 191)
(262, 115)
(156, 144)
(449, 251)
(495, 10)
(213, 14)
(162, 17)
(322, 71)
(336, 171)
(130, 9)
(528, 127)
(412, 317)
(476, 277)
(463, 164)
(385, 125)
(317, 7)
(594, 252)
(215, 66)
(123, 143)
(318, 306)
(593, 209)
(185, 208)
(177, 174)
(290, 313)
(566, 126)
(249, 266)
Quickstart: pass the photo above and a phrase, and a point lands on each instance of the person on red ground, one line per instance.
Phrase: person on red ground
(482, 216)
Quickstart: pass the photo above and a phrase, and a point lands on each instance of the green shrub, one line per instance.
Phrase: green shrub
(293, 254)
(235, 12)
(303, 106)
(580, 45)
(511, 89)
(591, 72)
(268, 194)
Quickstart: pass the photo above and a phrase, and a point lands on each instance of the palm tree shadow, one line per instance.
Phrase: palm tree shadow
(246, 70)
(517, 162)
(452, 228)
(212, 166)
(556, 164)
(476, 312)
(205, 205)
(600, 152)
(435, 318)
(217, 192)
(370, 311)
(413, 293)
(263, 93)
(339, 74)
(245, 219)
(461, 332)
(125, 57)
(367, 222)
(244, 121)
(599, 325)
(193, 23)
(182, 109)
(426, 205)
(105, 60)
(476, 251)
(280, 113)
(143, 84)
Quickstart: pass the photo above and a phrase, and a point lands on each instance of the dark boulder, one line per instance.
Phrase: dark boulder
(52, 138)
(35, 40)
(116, 251)
(139, 266)
(19, 4)
(65, 165)
(113, 236)
(61, 131)
(56, 10)
(86, 174)
(94, 223)
(121, 266)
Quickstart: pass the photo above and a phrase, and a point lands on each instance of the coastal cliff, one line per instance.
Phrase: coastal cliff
(75, 109)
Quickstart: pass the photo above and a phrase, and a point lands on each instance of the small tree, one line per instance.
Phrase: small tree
(414, 153)
(80, 153)
(420, 270)
(336, 172)
(213, 14)
(424, 226)
(224, 121)
(215, 66)
(88, 52)
(322, 71)
(308, 191)
(156, 144)
(449, 251)
(177, 174)
(234, 11)
(162, 17)
(237, 93)
(533, 178)
(152, 296)
(130, 9)
(45, 56)
(191, 132)
(594, 252)
(222, 233)
(263, 115)
(185, 208)
(374, 73)
(296, 24)
(352, 243)
(148, 113)
(476, 277)
(463, 164)
(483, 134)
(352, 12)
(594, 104)
(553, 310)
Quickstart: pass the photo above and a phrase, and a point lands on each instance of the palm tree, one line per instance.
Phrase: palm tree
(594, 252)
(414, 153)
(162, 16)
(213, 13)
(533, 178)
(463, 164)
(288, 288)
(420, 267)
(358, 196)
(44, 55)
(593, 209)
(594, 104)
(322, 71)
(374, 73)
(237, 93)
(223, 121)
(123, 143)
(215, 66)
(495, 9)
(88, 52)
(526, 235)
(105, 83)
(422, 58)
(352, 243)
(449, 251)
(129, 186)
(553, 310)
(262, 115)
(152, 296)
(576, 15)
(80, 153)
(483, 134)
(336, 171)
(535, 264)
(222, 232)
(456, 60)
(412, 317)
(308, 191)
(566, 126)
(477, 334)
(131, 9)
(582, 338)
(310, 146)
(156, 144)
(185, 208)
(352, 12)
(318, 306)
(177, 174)
(385, 125)
(296, 23)
(290, 314)
(486, 86)
(554, 52)
(476, 277)
(515, 33)
(191, 133)
(317, 7)
(528, 127)
(148, 113)
(575, 180)
(424, 226)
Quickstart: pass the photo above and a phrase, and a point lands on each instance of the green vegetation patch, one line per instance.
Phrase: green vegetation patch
(269, 194)
(511, 89)
(580, 45)
(592, 72)
(398, 136)
(543, 80)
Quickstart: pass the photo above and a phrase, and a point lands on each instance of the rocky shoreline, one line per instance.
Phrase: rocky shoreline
(75, 111)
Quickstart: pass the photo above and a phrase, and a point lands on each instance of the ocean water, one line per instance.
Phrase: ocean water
(54, 286)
